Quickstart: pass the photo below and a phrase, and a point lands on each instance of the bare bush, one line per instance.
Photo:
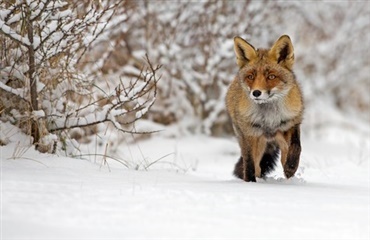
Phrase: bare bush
(41, 89)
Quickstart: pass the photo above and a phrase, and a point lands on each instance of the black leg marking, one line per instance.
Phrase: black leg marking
(250, 174)
(238, 170)
(294, 153)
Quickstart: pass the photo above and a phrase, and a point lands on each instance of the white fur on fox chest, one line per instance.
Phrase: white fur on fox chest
(271, 116)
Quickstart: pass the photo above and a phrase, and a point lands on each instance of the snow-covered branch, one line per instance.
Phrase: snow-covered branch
(12, 34)
(123, 106)
(41, 42)
(17, 92)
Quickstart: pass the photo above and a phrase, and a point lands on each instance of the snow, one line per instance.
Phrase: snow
(38, 113)
(186, 192)
(18, 92)
(4, 28)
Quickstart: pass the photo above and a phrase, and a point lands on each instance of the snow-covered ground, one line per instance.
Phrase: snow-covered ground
(186, 192)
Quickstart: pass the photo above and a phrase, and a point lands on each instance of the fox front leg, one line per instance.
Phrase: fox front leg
(244, 170)
(245, 167)
(294, 152)
(248, 169)
(248, 162)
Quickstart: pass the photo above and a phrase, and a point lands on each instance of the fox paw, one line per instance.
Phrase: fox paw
(289, 171)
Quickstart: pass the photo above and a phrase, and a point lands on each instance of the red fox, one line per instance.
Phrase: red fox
(265, 105)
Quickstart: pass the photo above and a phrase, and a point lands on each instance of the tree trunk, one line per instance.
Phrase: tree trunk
(35, 131)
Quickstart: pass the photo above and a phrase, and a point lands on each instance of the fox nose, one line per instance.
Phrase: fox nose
(256, 93)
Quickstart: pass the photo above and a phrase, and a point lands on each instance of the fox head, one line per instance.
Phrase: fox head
(265, 74)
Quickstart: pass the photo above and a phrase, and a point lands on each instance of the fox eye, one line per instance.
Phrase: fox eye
(271, 76)
(250, 76)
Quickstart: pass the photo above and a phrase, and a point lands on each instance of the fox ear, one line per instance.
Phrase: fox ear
(244, 51)
(282, 52)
